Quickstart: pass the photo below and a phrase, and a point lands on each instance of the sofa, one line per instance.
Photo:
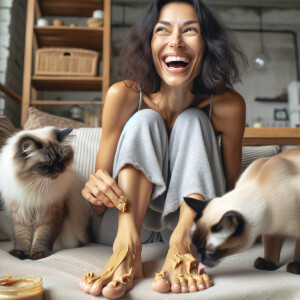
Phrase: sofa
(233, 278)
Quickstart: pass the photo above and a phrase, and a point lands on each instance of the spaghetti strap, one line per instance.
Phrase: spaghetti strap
(211, 106)
(141, 99)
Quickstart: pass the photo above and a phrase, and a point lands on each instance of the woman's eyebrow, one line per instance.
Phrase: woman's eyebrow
(185, 23)
(190, 22)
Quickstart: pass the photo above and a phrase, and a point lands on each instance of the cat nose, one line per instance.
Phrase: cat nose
(56, 168)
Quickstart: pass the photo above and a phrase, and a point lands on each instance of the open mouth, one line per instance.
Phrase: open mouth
(177, 62)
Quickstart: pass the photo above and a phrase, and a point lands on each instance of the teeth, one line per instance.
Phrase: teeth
(169, 59)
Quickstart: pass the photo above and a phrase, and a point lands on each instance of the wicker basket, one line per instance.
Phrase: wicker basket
(66, 62)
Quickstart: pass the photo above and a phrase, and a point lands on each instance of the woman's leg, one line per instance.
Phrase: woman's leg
(196, 172)
(143, 138)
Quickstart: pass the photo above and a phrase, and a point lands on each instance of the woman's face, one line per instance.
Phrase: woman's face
(177, 45)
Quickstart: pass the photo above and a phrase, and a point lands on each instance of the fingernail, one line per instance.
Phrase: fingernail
(99, 203)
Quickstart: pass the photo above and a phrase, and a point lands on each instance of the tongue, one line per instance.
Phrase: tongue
(177, 64)
(201, 268)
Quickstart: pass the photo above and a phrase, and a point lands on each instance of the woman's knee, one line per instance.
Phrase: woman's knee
(145, 118)
(190, 116)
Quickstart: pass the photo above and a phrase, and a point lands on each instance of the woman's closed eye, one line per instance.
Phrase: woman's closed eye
(161, 29)
(191, 30)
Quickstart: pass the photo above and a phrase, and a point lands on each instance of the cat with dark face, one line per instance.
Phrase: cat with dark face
(42, 193)
(265, 200)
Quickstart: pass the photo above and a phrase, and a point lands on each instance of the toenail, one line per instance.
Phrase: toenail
(200, 286)
(175, 285)
(184, 288)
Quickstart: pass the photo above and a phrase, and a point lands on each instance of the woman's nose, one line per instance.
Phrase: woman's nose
(176, 40)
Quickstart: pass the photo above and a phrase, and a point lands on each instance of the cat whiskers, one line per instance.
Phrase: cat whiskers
(42, 187)
(31, 188)
(233, 257)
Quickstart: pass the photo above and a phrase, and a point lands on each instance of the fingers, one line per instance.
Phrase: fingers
(101, 188)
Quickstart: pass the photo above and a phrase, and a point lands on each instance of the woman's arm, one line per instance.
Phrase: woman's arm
(229, 114)
(120, 104)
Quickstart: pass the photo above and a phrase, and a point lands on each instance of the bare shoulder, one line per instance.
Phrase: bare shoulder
(229, 109)
(229, 100)
(122, 93)
(121, 102)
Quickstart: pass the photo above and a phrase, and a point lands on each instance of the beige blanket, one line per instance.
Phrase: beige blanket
(234, 278)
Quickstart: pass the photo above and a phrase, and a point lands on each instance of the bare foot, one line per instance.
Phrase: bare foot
(180, 271)
(117, 276)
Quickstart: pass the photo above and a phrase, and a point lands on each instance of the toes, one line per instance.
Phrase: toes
(96, 289)
(112, 292)
(176, 287)
(207, 281)
(161, 286)
(200, 284)
(184, 286)
(180, 285)
(192, 286)
(85, 283)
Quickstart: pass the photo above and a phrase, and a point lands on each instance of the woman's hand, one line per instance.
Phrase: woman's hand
(102, 189)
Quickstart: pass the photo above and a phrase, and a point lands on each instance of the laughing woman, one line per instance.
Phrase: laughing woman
(158, 144)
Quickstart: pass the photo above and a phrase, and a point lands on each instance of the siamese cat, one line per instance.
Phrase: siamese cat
(42, 193)
(265, 200)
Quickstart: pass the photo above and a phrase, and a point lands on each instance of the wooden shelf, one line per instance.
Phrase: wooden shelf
(78, 8)
(83, 37)
(277, 99)
(64, 83)
(64, 36)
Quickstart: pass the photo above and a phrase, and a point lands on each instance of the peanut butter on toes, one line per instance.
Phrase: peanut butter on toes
(93, 284)
(185, 265)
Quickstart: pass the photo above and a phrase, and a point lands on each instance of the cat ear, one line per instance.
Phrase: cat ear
(62, 133)
(197, 205)
(231, 223)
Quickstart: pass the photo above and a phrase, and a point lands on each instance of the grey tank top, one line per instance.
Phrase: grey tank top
(210, 106)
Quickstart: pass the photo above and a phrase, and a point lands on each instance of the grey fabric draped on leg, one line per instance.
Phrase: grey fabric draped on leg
(187, 162)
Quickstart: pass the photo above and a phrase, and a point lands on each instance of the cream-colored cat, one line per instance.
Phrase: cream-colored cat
(42, 193)
(266, 200)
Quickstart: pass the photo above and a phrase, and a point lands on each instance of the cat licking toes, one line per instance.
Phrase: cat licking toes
(42, 192)
(265, 201)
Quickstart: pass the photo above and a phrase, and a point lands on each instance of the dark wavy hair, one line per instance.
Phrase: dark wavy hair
(221, 63)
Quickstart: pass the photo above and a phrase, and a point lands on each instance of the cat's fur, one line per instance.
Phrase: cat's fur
(265, 200)
(42, 192)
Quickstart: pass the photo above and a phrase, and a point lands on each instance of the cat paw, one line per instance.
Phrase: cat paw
(263, 264)
(293, 267)
(39, 254)
(18, 253)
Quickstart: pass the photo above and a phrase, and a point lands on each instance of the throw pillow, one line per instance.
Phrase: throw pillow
(39, 119)
(251, 153)
(86, 143)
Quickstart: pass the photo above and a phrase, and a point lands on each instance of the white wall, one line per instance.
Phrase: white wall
(12, 39)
